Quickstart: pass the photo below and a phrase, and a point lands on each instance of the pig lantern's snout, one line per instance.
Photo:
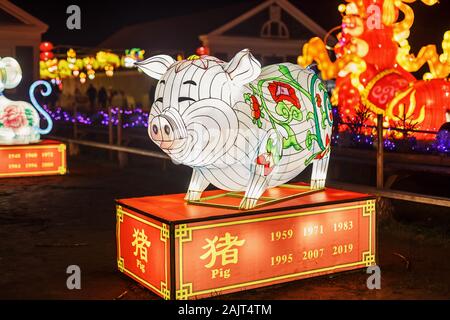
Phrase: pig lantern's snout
(167, 129)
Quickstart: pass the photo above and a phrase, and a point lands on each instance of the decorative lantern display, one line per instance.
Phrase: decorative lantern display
(373, 66)
(131, 56)
(181, 251)
(241, 128)
(19, 120)
(46, 47)
(46, 51)
(203, 50)
(86, 67)
(248, 130)
(22, 153)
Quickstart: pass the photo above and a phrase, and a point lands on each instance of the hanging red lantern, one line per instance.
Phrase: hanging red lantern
(46, 46)
(434, 96)
(44, 56)
(201, 51)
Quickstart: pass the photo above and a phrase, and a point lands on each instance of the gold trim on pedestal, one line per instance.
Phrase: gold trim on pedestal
(183, 233)
(368, 258)
(119, 213)
(164, 235)
(369, 208)
(184, 292)
(62, 148)
(164, 291)
(62, 170)
(120, 264)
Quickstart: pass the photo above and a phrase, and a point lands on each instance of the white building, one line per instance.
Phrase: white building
(20, 37)
(274, 31)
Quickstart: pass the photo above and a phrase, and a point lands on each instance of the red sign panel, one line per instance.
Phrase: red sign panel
(44, 158)
(223, 255)
(240, 254)
(143, 250)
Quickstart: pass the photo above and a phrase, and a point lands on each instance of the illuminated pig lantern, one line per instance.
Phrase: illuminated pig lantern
(240, 127)
(19, 120)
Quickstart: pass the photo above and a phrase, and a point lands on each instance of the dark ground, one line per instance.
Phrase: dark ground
(49, 223)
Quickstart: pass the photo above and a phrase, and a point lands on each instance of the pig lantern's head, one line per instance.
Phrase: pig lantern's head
(192, 118)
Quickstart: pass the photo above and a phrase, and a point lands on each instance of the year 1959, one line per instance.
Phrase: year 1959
(281, 235)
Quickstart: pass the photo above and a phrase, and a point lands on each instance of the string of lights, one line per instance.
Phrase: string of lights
(137, 118)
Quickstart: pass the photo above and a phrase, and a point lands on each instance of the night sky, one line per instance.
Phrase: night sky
(102, 18)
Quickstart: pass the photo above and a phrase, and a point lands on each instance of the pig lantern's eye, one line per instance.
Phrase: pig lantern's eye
(159, 100)
(181, 99)
(155, 129)
(167, 129)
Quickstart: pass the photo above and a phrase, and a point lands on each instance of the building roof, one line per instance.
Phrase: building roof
(290, 13)
(181, 34)
(14, 18)
(174, 34)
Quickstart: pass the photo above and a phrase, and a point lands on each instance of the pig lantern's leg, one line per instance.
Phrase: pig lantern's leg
(268, 156)
(197, 185)
(319, 172)
(257, 185)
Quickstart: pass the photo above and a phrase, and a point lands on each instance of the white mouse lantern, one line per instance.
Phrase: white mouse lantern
(19, 120)
(240, 127)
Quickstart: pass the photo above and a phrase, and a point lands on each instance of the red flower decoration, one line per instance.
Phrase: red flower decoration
(266, 160)
(13, 117)
(256, 108)
(318, 100)
(283, 92)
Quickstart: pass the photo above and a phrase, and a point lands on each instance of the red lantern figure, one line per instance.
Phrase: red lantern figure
(46, 51)
(373, 46)
(44, 56)
(424, 103)
(382, 49)
(201, 51)
(46, 46)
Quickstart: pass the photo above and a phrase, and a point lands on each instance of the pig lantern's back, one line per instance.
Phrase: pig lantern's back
(292, 103)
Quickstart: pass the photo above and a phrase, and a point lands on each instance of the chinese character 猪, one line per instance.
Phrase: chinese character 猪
(222, 247)
(140, 242)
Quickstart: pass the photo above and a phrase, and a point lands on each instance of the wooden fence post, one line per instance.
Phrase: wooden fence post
(110, 131)
(380, 152)
(122, 156)
(74, 149)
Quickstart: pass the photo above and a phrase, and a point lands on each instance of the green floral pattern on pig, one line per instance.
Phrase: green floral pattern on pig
(282, 89)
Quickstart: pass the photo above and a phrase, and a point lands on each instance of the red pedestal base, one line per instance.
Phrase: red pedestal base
(185, 251)
(47, 157)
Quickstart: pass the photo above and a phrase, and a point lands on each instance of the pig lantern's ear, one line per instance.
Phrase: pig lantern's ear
(243, 68)
(155, 66)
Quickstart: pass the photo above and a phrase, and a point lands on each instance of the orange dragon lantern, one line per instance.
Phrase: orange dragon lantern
(373, 66)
